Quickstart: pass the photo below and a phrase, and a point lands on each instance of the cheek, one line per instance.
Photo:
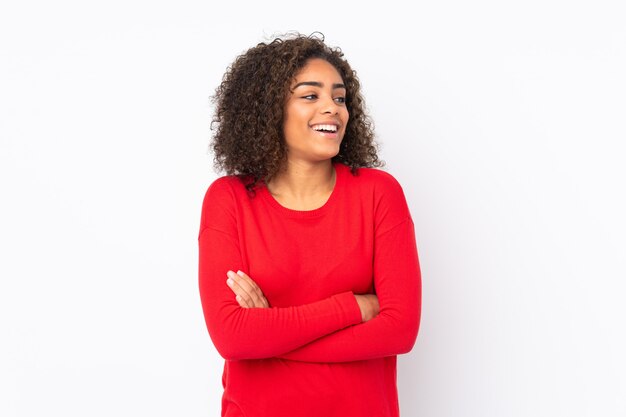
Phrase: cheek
(345, 116)
(296, 118)
(291, 120)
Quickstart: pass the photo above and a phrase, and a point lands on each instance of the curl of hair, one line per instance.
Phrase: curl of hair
(248, 138)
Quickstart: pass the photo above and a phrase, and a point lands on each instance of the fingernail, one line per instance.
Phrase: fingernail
(230, 273)
(229, 282)
(240, 273)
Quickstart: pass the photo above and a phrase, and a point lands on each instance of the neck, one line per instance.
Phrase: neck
(301, 181)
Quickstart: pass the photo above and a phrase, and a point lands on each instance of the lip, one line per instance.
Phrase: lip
(329, 122)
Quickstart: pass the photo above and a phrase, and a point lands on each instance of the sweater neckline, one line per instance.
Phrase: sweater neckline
(339, 172)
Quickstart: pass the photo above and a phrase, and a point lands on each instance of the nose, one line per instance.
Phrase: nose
(329, 106)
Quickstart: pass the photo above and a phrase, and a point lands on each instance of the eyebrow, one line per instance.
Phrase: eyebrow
(318, 84)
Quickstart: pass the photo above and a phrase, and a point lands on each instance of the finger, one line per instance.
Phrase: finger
(241, 301)
(260, 300)
(242, 289)
(253, 292)
(247, 282)
(240, 294)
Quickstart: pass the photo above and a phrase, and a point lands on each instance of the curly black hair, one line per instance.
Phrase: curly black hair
(248, 120)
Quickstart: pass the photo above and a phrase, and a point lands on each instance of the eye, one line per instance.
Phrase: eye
(310, 97)
(340, 99)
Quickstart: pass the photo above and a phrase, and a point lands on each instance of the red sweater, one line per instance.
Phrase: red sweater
(309, 354)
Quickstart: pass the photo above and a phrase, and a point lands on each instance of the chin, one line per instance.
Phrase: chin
(328, 155)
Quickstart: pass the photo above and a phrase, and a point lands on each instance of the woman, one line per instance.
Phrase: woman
(308, 268)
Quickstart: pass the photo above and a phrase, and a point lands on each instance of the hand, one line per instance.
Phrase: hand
(247, 293)
(368, 303)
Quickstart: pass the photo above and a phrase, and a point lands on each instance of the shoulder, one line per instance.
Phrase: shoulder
(226, 186)
(380, 183)
(221, 202)
(383, 193)
(378, 177)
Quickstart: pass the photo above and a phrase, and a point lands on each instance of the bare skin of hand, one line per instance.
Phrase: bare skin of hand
(368, 303)
(249, 295)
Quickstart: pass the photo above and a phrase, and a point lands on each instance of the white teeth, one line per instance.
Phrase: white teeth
(331, 128)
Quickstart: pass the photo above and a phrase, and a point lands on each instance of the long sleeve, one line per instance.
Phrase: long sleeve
(254, 333)
(309, 354)
(397, 281)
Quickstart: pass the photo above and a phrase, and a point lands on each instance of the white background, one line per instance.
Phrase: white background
(503, 121)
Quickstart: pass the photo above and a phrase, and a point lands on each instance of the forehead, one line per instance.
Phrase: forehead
(317, 69)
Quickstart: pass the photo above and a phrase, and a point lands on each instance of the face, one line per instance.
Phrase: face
(315, 114)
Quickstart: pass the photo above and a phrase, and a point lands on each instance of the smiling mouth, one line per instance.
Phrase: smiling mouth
(326, 128)
(327, 133)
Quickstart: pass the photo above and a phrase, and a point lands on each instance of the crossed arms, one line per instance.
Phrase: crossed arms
(329, 330)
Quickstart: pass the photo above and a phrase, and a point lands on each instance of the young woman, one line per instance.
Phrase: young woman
(308, 268)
